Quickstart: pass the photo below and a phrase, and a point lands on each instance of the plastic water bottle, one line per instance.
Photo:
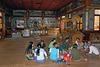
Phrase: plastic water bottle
(69, 51)
(63, 51)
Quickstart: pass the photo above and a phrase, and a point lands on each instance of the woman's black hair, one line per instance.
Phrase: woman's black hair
(53, 39)
(78, 38)
(67, 38)
(29, 48)
(42, 40)
(75, 46)
(86, 42)
(38, 50)
(55, 45)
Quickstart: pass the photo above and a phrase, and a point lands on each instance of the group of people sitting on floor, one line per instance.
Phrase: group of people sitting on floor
(64, 51)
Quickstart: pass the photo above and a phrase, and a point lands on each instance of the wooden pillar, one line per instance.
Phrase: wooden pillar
(87, 2)
(65, 24)
(43, 15)
(27, 13)
(43, 20)
(91, 18)
(86, 18)
(3, 25)
(11, 20)
(25, 25)
(99, 25)
(58, 22)
(26, 19)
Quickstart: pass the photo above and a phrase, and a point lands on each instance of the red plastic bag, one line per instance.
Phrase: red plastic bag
(67, 57)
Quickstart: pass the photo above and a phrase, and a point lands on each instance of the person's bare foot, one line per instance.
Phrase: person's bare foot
(85, 59)
(33, 60)
(53, 61)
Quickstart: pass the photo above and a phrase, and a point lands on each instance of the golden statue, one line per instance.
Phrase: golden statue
(42, 25)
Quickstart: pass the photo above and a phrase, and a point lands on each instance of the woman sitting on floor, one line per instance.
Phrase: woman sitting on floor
(75, 54)
(54, 52)
(93, 51)
(64, 45)
(29, 51)
(39, 55)
(41, 44)
(51, 43)
(79, 44)
(54, 55)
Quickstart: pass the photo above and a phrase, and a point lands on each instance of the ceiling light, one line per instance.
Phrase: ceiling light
(58, 18)
(63, 16)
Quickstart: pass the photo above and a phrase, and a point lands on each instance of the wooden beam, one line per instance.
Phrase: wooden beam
(87, 2)
(59, 4)
(1, 9)
(49, 4)
(35, 16)
(11, 1)
(97, 7)
(78, 9)
(41, 4)
(31, 4)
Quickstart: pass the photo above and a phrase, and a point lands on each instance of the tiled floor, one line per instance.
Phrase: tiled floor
(12, 54)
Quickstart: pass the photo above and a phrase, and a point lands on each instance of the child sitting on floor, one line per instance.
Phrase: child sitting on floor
(54, 55)
(54, 52)
(79, 44)
(29, 51)
(40, 55)
(86, 47)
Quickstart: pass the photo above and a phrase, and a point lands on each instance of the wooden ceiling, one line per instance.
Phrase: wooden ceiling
(36, 4)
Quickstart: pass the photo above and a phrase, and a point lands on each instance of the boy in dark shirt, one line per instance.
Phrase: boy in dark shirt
(41, 44)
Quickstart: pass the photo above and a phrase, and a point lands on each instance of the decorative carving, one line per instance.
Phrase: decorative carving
(76, 18)
(27, 13)
(65, 20)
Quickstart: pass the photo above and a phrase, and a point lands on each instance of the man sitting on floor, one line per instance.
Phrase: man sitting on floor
(94, 52)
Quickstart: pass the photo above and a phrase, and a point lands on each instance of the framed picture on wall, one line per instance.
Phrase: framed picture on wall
(20, 24)
(70, 16)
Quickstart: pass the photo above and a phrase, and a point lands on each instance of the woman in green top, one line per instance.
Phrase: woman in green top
(51, 44)
(75, 53)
